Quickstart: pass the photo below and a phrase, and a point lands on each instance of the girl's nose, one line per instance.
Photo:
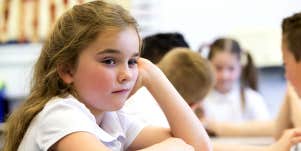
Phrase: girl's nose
(124, 75)
(225, 74)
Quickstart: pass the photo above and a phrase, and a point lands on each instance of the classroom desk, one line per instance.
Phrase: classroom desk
(249, 141)
(230, 140)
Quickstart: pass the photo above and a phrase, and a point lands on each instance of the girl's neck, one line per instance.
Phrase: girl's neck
(97, 114)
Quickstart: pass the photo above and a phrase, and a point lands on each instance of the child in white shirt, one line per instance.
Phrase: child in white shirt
(87, 68)
(234, 97)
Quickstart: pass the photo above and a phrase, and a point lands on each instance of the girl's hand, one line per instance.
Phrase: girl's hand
(287, 140)
(171, 144)
(147, 72)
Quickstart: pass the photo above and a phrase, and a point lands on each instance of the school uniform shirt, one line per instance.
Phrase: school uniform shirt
(228, 107)
(63, 116)
(143, 106)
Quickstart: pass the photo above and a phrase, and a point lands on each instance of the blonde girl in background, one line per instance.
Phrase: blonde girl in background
(86, 70)
(234, 97)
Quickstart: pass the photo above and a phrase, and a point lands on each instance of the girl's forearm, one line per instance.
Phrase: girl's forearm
(183, 122)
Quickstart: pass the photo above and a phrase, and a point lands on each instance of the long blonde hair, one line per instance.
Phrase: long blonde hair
(75, 29)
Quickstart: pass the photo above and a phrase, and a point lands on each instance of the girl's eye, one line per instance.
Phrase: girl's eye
(132, 62)
(231, 68)
(109, 61)
(219, 68)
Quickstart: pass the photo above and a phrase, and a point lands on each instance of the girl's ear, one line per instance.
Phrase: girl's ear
(66, 73)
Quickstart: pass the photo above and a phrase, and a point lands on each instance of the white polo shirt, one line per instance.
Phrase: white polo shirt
(63, 116)
(142, 105)
(228, 107)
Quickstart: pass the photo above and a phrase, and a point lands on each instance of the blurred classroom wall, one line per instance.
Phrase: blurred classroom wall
(255, 24)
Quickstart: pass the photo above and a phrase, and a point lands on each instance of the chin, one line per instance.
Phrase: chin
(223, 90)
(117, 106)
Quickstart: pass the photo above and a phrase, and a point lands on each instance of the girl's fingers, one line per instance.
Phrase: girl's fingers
(296, 132)
(296, 136)
(296, 140)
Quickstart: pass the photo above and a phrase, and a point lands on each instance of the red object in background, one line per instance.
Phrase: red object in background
(65, 2)
(80, 1)
(35, 21)
(6, 11)
(52, 12)
(22, 13)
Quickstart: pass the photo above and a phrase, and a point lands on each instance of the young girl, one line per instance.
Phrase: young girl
(86, 70)
(233, 99)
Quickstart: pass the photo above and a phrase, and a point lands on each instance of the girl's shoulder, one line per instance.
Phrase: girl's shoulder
(68, 102)
(65, 107)
(59, 117)
(60, 111)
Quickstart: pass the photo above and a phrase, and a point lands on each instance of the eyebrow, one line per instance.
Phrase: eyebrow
(108, 51)
(114, 51)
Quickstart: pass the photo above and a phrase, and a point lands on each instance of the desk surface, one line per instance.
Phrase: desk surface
(249, 141)
(244, 140)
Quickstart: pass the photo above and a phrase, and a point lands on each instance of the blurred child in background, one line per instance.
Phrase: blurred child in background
(157, 45)
(234, 97)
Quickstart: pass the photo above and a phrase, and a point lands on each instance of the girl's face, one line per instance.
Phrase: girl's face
(107, 70)
(292, 67)
(227, 68)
